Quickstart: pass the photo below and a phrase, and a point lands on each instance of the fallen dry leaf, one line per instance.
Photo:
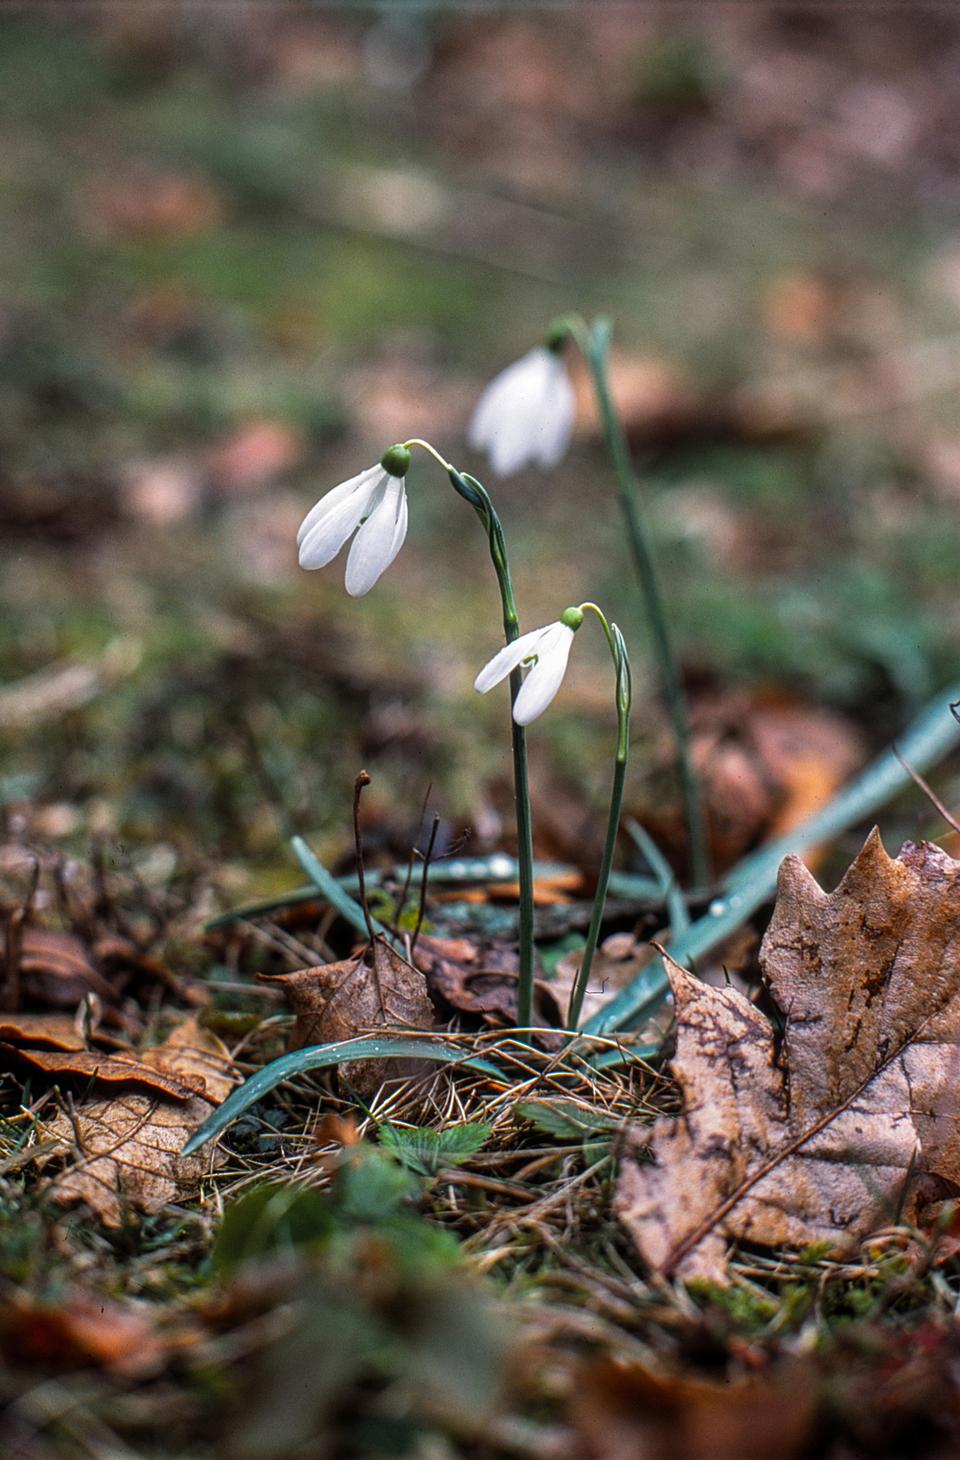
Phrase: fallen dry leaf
(125, 1151)
(768, 762)
(800, 308)
(624, 1412)
(547, 891)
(54, 968)
(842, 1127)
(808, 753)
(147, 203)
(255, 454)
(80, 1331)
(41, 1031)
(618, 960)
(481, 981)
(369, 993)
(652, 395)
(92, 1068)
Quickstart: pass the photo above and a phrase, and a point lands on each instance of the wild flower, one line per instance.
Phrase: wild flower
(545, 652)
(526, 414)
(374, 506)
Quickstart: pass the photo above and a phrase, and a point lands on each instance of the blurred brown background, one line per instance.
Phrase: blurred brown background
(248, 246)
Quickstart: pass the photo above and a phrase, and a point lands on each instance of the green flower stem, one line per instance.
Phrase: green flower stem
(624, 695)
(473, 492)
(594, 345)
(479, 499)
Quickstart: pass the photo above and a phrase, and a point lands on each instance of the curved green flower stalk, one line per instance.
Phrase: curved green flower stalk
(624, 696)
(479, 499)
(545, 652)
(525, 417)
(371, 509)
(594, 345)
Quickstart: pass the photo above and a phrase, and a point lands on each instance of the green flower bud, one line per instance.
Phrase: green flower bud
(396, 461)
(557, 336)
(572, 618)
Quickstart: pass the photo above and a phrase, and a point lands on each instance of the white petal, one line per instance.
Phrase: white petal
(559, 413)
(329, 533)
(379, 539)
(546, 676)
(334, 497)
(509, 658)
(515, 384)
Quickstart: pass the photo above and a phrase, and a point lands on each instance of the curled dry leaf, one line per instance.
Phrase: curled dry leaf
(851, 1119)
(368, 994)
(41, 1031)
(92, 1068)
(124, 1152)
(80, 1332)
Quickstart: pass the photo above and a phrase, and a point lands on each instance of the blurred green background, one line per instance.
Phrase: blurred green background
(247, 247)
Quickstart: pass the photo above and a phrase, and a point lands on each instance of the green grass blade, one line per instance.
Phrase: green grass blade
(328, 887)
(323, 1056)
(262, 908)
(458, 871)
(753, 881)
(669, 886)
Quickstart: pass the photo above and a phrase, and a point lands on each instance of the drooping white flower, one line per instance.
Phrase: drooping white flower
(546, 651)
(375, 502)
(525, 414)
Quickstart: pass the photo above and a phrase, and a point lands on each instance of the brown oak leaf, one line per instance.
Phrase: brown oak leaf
(374, 991)
(123, 1152)
(849, 1118)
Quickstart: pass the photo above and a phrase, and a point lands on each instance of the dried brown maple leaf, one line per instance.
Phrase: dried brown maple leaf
(840, 1125)
(124, 1152)
(374, 991)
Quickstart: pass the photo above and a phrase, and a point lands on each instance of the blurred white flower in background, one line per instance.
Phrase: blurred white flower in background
(526, 413)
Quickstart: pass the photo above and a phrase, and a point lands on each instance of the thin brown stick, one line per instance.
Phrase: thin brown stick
(428, 855)
(362, 780)
(405, 893)
(928, 790)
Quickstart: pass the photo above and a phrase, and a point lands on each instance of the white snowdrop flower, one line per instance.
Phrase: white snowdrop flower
(375, 502)
(525, 414)
(546, 651)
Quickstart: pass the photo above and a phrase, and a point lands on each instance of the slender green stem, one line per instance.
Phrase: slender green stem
(595, 347)
(479, 498)
(621, 665)
(430, 450)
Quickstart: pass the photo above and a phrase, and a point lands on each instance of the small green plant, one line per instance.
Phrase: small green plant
(427, 1151)
(371, 509)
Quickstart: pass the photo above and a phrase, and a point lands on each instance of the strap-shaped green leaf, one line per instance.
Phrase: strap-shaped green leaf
(320, 1057)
